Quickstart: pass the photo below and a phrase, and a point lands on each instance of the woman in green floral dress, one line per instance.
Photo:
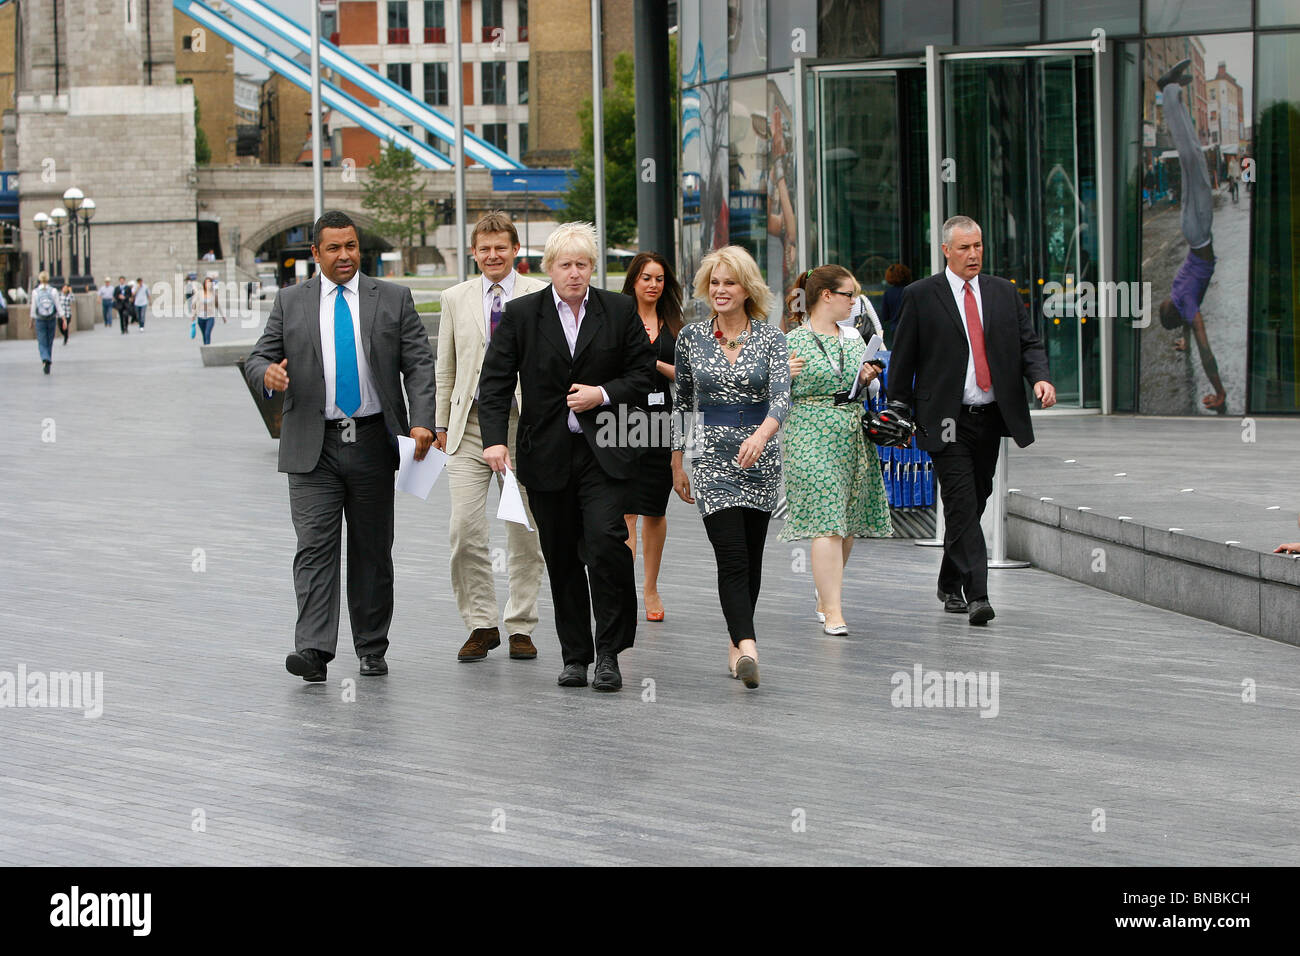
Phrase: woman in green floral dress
(833, 487)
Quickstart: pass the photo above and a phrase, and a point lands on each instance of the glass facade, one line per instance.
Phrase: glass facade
(1275, 334)
(1195, 16)
(1054, 151)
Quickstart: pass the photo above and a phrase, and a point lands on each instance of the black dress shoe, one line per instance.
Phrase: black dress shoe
(607, 676)
(573, 675)
(981, 611)
(953, 603)
(1175, 74)
(308, 664)
(373, 665)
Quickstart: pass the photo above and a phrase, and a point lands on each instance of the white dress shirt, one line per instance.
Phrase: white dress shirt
(369, 394)
(971, 393)
(570, 324)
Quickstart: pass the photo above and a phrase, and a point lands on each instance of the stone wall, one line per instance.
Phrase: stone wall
(130, 148)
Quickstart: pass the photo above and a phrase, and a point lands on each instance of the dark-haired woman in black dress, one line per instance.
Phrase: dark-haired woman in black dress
(658, 296)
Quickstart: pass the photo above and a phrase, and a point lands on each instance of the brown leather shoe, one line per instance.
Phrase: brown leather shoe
(481, 640)
(521, 648)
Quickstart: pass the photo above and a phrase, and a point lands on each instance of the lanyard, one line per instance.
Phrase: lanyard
(839, 369)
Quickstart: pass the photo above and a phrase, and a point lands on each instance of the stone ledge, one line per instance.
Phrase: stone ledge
(1247, 590)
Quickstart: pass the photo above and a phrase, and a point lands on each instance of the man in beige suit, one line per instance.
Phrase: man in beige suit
(470, 313)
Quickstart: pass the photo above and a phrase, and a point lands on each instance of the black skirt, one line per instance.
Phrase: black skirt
(648, 491)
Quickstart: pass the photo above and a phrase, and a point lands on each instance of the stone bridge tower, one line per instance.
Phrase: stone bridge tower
(98, 107)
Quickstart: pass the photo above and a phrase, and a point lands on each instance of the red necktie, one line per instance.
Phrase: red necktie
(976, 332)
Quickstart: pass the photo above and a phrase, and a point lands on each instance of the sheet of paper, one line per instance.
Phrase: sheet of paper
(417, 477)
(512, 502)
(874, 345)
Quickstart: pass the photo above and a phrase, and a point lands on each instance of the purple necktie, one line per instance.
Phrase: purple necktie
(495, 318)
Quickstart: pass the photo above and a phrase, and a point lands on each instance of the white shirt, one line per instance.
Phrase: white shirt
(106, 292)
(971, 393)
(570, 324)
(142, 294)
(369, 394)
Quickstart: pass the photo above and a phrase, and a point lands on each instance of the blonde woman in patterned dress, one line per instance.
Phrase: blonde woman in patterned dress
(733, 371)
(833, 487)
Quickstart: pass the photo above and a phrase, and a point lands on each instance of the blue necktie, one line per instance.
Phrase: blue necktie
(347, 381)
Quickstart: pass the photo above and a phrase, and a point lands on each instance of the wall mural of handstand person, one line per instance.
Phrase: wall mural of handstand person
(1181, 311)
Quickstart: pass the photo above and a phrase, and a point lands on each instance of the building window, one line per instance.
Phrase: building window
(495, 134)
(435, 84)
(400, 73)
(398, 23)
(523, 138)
(493, 21)
(494, 84)
(523, 21)
(435, 22)
(522, 68)
(187, 42)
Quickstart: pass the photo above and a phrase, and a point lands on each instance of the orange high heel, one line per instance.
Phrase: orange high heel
(654, 615)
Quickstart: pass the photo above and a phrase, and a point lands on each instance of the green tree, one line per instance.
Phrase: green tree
(621, 166)
(202, 151)
(394, 196)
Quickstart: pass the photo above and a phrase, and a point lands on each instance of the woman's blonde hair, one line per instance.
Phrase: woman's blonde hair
(758, 298)
(579, 237)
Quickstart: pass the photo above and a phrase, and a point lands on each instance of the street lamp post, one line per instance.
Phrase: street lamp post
(42, 223)
(527, 248)
(60, 216)
(72, 200)
(87, 214)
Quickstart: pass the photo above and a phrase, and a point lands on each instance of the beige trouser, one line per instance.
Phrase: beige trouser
(471, 562)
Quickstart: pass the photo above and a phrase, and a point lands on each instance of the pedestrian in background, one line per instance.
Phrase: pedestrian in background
(106, 302)
(833, 486)
(44, 313)
(122, 302)
(207, 306)
(897, 278)
(733, 371)
(140, 301)
(658, 295)
(66, 306)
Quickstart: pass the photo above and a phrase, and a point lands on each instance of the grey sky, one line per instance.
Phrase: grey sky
(295, 9)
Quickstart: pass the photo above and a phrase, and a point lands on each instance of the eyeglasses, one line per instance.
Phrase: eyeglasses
(847, 295)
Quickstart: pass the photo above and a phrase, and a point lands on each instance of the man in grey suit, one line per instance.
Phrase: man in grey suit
(348, 341)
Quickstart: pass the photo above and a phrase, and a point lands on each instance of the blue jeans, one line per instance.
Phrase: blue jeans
(140, 311)
(45, 337)
(205, 326)
(108, 311)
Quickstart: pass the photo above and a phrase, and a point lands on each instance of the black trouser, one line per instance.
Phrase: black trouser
(965, 471)
(583, 536)
(122, 317)
(738, 536)
(353, 479)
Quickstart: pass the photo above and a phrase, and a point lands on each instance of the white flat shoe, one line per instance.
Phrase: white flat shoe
(821, 618)
(839, 630)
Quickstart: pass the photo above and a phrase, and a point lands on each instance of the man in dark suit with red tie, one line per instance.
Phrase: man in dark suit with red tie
(577, 353)
(963, 344)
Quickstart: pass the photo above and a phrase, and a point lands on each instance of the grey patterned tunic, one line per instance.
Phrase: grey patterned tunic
(704, 378)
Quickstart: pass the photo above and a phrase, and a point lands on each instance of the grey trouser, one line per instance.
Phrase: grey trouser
(1198, 198)
(352, 479)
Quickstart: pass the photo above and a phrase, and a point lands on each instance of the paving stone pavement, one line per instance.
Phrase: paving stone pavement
(1103, 704)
